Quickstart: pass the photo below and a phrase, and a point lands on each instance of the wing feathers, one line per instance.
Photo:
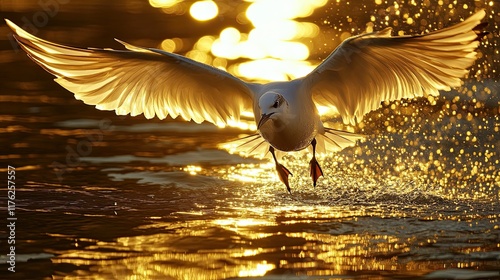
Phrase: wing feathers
(370, 68)
(141, 81)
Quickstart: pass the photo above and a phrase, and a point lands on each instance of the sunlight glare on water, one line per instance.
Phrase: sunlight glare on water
(316, 240)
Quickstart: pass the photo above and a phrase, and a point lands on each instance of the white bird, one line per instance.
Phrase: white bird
(354, 79)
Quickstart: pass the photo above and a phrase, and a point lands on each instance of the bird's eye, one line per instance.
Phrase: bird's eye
(276, 104)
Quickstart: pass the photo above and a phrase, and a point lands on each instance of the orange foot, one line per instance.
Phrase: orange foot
(283, 173)
(316, 171)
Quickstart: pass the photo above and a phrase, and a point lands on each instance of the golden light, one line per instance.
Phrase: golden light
(284, 29)
(204, 43)
(171, 45)
(230, 35)
(275, 45)
(168, 45)
(241, 222)
(250, 252)
(323, 110)
(163, 3)
(273, 69)
(250, 172)
(243, 125)
(192, 169)
(261, 12)
(294, 51)
(199, 56)
(204, 10)
(258, 270)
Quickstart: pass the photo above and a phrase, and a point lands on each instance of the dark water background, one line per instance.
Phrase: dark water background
(106, 197)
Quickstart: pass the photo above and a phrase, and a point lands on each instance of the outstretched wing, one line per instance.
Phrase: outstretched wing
(141, 81)
(368, 69)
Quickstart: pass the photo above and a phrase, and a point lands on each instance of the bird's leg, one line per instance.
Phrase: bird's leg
(316, 171)
(283, 172)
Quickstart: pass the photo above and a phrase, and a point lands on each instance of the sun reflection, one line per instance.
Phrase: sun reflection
(234, 224)
(259, 269)
(252, 172)
(192, 169)
(238, 243)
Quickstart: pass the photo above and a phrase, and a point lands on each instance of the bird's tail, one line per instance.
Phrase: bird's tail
(328, 140)
(332, 140)
(248, 146)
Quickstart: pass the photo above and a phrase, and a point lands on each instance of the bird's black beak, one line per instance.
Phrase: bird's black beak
(263, 119)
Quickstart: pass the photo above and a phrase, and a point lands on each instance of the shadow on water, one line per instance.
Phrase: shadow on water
(101, 196)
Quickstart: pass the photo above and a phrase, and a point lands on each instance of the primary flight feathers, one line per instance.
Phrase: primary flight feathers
(141, 80)
(370, 68)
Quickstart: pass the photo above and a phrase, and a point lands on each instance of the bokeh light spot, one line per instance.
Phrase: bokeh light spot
(204, 10)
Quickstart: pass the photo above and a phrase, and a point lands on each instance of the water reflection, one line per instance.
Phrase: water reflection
(321, 245)
(158, 200)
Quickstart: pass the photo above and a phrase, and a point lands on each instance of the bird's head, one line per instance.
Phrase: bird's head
(273, 106)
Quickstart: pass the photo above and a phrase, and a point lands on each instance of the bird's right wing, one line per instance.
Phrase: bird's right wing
(142, 81)
(370, 68)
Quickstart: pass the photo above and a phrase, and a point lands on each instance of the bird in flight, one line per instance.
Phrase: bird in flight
(354, 79)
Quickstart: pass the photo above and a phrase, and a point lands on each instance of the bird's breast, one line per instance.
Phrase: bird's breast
(288, 136)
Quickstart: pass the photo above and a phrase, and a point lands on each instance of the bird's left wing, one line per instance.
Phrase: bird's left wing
(370, 68)
(142, 81)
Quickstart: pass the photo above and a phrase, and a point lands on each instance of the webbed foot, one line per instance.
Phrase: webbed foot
(316, 171)
(283, 173)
